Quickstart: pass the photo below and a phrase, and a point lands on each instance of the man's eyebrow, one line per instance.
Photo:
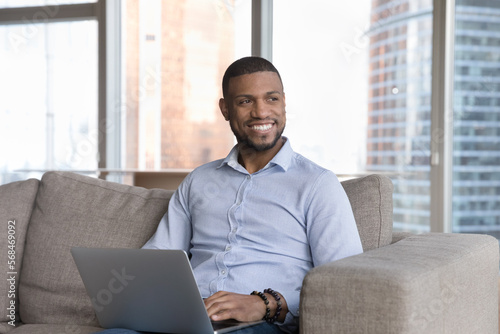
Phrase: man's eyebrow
(250, 96)
(267, 93)
(243, 95)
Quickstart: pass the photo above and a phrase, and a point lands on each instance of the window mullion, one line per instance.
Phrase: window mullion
(262, 28)
(442, 115)
(110, 118)
(102, 85)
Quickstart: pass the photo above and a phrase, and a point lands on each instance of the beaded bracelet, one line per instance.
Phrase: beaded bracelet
(264, 298)
(273, 293)
(278, 302)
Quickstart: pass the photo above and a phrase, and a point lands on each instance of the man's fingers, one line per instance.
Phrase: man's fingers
(219, 306)
(226, 305)
(221, 311)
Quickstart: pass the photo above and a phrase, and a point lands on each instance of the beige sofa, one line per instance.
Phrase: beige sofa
(432, 283)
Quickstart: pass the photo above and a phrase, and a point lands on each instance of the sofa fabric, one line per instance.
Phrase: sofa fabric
(431, 283)
(16, 205)
(371, 202)
(73, 210)
(55, 329)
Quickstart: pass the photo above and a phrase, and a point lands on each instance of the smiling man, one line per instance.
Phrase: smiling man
(257, 221)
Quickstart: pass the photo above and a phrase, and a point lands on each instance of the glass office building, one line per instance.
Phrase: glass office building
(398, 137)
(476, 154)
(399, 111)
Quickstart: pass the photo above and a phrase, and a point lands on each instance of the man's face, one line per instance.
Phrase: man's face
(255, 109)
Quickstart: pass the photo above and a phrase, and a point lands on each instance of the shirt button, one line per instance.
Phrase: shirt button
(228, 248)
(223, 272)
(249, 177)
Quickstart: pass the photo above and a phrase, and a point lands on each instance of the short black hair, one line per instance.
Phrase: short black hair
(247, 65)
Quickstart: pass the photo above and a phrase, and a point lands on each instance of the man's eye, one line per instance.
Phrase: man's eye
(244, 101)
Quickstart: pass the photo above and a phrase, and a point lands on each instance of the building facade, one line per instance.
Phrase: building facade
(175, 53)
(399, 110)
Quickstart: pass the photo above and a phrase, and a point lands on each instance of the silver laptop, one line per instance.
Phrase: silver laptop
(146, 290)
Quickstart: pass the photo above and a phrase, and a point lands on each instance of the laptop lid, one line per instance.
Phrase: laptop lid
(145, 290)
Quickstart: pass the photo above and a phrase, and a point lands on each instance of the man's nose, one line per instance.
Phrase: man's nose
(261, 110)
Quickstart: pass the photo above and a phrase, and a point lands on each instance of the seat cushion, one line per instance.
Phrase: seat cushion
(72, 210)
(17, 200)
(371, 201)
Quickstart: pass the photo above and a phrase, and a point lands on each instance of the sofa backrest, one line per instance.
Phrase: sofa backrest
(74, 210)
(371, 202)
(16, 205)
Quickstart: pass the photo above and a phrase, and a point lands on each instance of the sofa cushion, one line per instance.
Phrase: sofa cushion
(371, 201)
(17, 200)
(74, 210)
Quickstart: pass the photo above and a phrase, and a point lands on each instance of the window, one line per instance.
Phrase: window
(155, 103)
(358, 83)
(323, 61)
(174, 54)
(363, 93)
(48, 114)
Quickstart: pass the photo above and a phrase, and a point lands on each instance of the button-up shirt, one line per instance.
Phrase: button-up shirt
(249, 232)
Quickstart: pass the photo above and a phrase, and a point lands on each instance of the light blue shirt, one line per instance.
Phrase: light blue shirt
(264, 230)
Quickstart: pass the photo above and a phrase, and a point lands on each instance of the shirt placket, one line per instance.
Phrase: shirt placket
(235, 219)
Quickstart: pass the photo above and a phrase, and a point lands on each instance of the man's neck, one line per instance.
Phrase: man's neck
(253, 160)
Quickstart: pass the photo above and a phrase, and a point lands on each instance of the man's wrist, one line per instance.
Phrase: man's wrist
(276, 307)
(275, 304)
(267, 312)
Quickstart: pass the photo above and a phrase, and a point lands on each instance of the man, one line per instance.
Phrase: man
(263, 216)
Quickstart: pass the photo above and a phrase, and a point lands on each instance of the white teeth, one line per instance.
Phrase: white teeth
(262, 127)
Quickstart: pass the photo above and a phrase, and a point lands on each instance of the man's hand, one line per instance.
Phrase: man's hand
(225, 305)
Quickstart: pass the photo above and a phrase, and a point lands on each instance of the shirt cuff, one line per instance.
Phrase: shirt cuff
(292, 299)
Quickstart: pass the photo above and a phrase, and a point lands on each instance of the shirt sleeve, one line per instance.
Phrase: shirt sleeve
(174, 230)
(331, 228)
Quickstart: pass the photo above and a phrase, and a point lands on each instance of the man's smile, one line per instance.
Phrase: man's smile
(261, 127)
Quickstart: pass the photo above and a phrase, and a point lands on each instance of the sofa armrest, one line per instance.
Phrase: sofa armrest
(429, 283)
(398, 236)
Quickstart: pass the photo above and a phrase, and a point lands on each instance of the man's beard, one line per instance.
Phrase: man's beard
(257, 147)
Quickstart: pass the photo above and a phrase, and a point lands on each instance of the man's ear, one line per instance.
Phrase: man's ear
(223, 109)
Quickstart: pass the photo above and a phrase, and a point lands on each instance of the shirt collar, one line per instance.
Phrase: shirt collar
(283, 158)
